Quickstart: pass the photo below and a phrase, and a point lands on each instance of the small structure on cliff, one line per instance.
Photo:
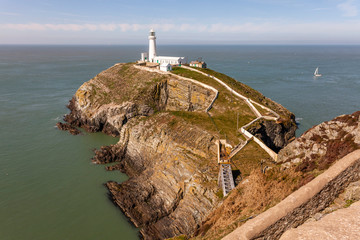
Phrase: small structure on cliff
(152, 57)
(165, 67)
(225, 178)
(199, 64)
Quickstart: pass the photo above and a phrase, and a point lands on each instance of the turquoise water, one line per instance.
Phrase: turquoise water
(48, 187)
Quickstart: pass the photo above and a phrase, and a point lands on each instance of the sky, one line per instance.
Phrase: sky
(117, 22)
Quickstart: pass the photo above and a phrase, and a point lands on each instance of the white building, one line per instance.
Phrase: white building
(152, 57)
(165, 67)
(171, 60)
(144, 56)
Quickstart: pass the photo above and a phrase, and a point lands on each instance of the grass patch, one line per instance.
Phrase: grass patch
(200, 119)
(348, 203)
(250, 158)
(181, 237)
(249, 92)
(220, 194)
(226, 109)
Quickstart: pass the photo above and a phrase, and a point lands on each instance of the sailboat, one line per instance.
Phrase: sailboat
(316, 73)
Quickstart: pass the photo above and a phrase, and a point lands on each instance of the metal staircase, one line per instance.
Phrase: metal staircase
(226, 180)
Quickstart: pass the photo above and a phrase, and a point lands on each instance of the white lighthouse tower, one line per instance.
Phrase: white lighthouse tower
(152, 46)
(151, 56)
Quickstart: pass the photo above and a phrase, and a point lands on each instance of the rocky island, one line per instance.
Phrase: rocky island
(169, 125)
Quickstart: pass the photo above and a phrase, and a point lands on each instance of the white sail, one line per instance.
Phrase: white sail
(316, 73)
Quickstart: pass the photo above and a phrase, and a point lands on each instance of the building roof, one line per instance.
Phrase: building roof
(165, 64)
(166, 57)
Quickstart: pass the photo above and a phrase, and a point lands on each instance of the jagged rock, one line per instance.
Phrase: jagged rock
(67, 127)
(275, 135)
(323, 144)
(108, 154)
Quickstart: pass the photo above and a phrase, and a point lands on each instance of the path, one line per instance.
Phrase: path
(226, 181)
(248, 101)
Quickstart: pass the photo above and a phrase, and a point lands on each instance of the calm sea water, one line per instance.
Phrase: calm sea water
(48, 187)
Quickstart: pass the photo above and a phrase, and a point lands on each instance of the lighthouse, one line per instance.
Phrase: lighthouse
(158, 60)
(152, 46)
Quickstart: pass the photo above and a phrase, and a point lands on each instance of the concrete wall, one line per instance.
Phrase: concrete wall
(308, 200)
(272, 154)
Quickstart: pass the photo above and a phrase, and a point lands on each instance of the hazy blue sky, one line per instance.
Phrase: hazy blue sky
(180, 22)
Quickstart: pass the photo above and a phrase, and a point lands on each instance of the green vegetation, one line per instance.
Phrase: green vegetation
(349, 202)
(228, 112)
(122, 83)
(248, 92)
(250, 158)
(181, 237)
(220, 194)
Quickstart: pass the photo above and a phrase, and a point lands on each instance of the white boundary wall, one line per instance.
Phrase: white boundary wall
(272, 154)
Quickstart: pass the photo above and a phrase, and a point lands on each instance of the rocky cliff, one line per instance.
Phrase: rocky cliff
(275, 135)
(323, 144)
(166, 143)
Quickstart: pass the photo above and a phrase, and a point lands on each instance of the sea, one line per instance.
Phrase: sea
(49, 189)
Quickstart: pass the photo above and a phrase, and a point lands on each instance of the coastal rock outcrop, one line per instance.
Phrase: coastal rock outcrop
(166, 144)
(173, 177)
(275, 135)
(67, 127)
(323, 144)
(102, 104)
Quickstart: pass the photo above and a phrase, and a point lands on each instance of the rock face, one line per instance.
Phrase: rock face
(169, 154)
(321, 145)
(68, 127)
(173, 181)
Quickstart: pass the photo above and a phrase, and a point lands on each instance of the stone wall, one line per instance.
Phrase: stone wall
(297, 207)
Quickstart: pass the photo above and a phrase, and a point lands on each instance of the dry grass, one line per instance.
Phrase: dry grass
(259, 193)
(122, 83)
